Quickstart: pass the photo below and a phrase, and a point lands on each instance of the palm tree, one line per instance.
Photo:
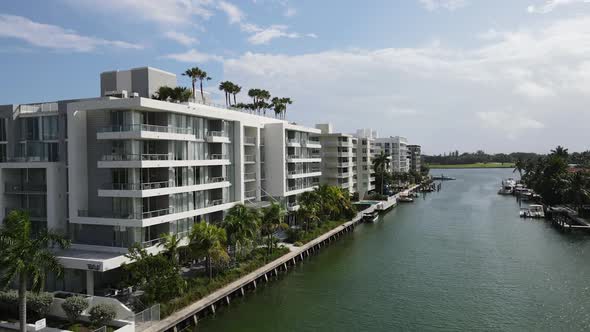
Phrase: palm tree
(226, 87)
(272, 220)
(309, 208)
(235, 90)
(171, 243)
(241, 225)
(560, 151)
(27, 257)
(380, 164)
(519, 166)
(578, 189)
(209, 241)
(181, 94)
(195, 74)
(163, 93)
(286, 101)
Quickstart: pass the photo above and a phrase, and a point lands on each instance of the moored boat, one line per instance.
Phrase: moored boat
(371, 217)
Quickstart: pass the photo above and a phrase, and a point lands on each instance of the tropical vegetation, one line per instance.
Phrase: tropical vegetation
(27, 258)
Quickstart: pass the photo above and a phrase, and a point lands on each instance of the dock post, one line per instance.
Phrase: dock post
(195, 319)
(301, 256)
(285, 265)
(266, 277)
(213, 308)
(175, 329)
(276, 272)
(254, 283)
(242, 291)
(227, 300)
(294, 262)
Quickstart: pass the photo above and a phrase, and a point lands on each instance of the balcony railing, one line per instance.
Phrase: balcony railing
(137, 157)
(145, 127)
(249, 176)
(293, 141)
(217, 156)
(249, 140)
(157, 185)
(217, 134)
(250, 194)
(23, 188)
(38, 213)
(250, 158)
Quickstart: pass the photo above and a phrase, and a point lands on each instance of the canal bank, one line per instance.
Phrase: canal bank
(460, 259)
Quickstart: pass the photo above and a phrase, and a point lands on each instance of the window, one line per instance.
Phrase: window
(2, 129)
(50, 127)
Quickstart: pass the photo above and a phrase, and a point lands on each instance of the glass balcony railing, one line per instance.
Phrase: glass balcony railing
(146, 127)
(137, 157)
(250, 158)
(25, 188)
(147, 214)
(158, 185)
(214, 133)
(249, 140)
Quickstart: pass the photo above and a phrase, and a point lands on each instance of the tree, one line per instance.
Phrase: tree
(195, 74)
(163, 93)
(27, 257)
(235, 89)
(578, 189)
(241, 225)
(158, 275)
(171, 244)
(309, 208)
(560, 151)
(272, 220)
(380, 165)
(226, 87)
(101, 314)
(519, 166)
(280, 106)
(209, 241)
(166, 93)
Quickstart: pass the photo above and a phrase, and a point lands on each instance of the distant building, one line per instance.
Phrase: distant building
(415, 157)
(395, 147)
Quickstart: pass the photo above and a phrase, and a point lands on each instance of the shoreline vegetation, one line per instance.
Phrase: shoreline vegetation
(472, 165)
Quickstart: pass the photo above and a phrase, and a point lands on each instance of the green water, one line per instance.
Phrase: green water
(460, 259)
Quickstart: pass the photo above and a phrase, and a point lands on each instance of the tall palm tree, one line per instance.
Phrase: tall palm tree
(519, 166)
(171, 243)
(226, 87)
(195, 74)
(235, 90)
(241, 225)
(181, 94)
(209, 241)
(380, 164)
(27, 257)
(286, 101)
(272, 220)
(309, 208)
(577, 189)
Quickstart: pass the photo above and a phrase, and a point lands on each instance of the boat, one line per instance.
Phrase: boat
(371, 217)
(405, 199)
(443, 178)
(508, 186)
(533, 211)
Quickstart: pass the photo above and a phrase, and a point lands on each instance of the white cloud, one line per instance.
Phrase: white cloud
(53, 36)
(265, 35)
(443, 4)
(550, 5)
(193, 56)
(234, 14)
(164, 12)
(181, 38)
(539, 76)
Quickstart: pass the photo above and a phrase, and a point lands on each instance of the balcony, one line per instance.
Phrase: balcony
(248, 140)
(146, 131)
(293, 142)
(249, 158)
(303, 173)
(159, 160)
(38, 189)
(217, 137)
(310, 158)
(137, 157)
(312, 144)
(35, 109)
(250, 194)
(151, 189)
(249, 176)
(292, 206)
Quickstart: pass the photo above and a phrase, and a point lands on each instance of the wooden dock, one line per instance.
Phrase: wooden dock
(190, 315)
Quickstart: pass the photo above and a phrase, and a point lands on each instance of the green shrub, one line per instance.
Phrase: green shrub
(37, 304)
(298, 244)
(101, 314)
(73, 306)
(294, 235)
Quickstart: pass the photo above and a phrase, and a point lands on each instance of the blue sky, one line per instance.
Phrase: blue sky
(500, 75)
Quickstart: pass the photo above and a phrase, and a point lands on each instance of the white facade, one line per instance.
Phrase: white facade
(128, 170)
(339, 159)
(365, 152)
(395, 147)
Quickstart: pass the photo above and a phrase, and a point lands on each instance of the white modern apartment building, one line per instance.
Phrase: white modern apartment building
(123, 169)
(415, 157)
(339, 158)
(395, 147)
(365, 152)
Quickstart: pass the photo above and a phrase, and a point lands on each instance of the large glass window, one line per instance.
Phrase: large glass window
(2, 129)
(50, 127)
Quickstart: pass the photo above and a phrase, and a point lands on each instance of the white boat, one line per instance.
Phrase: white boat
(533, 211)
(405, 199)
(507, 187)
(371, 217)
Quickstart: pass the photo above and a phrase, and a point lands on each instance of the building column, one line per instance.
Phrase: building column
(90, 282)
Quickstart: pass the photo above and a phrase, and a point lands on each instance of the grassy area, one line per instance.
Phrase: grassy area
(476, 165)
(323, 228)
(202, 286)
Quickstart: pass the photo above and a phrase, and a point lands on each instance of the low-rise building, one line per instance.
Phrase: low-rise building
(395, 147)
(415, 157)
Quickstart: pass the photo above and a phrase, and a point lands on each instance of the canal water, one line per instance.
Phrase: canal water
(460, 259)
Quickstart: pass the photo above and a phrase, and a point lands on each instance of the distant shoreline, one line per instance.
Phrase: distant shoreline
(476, 165)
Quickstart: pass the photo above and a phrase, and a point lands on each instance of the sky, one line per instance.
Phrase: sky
(500, 76)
